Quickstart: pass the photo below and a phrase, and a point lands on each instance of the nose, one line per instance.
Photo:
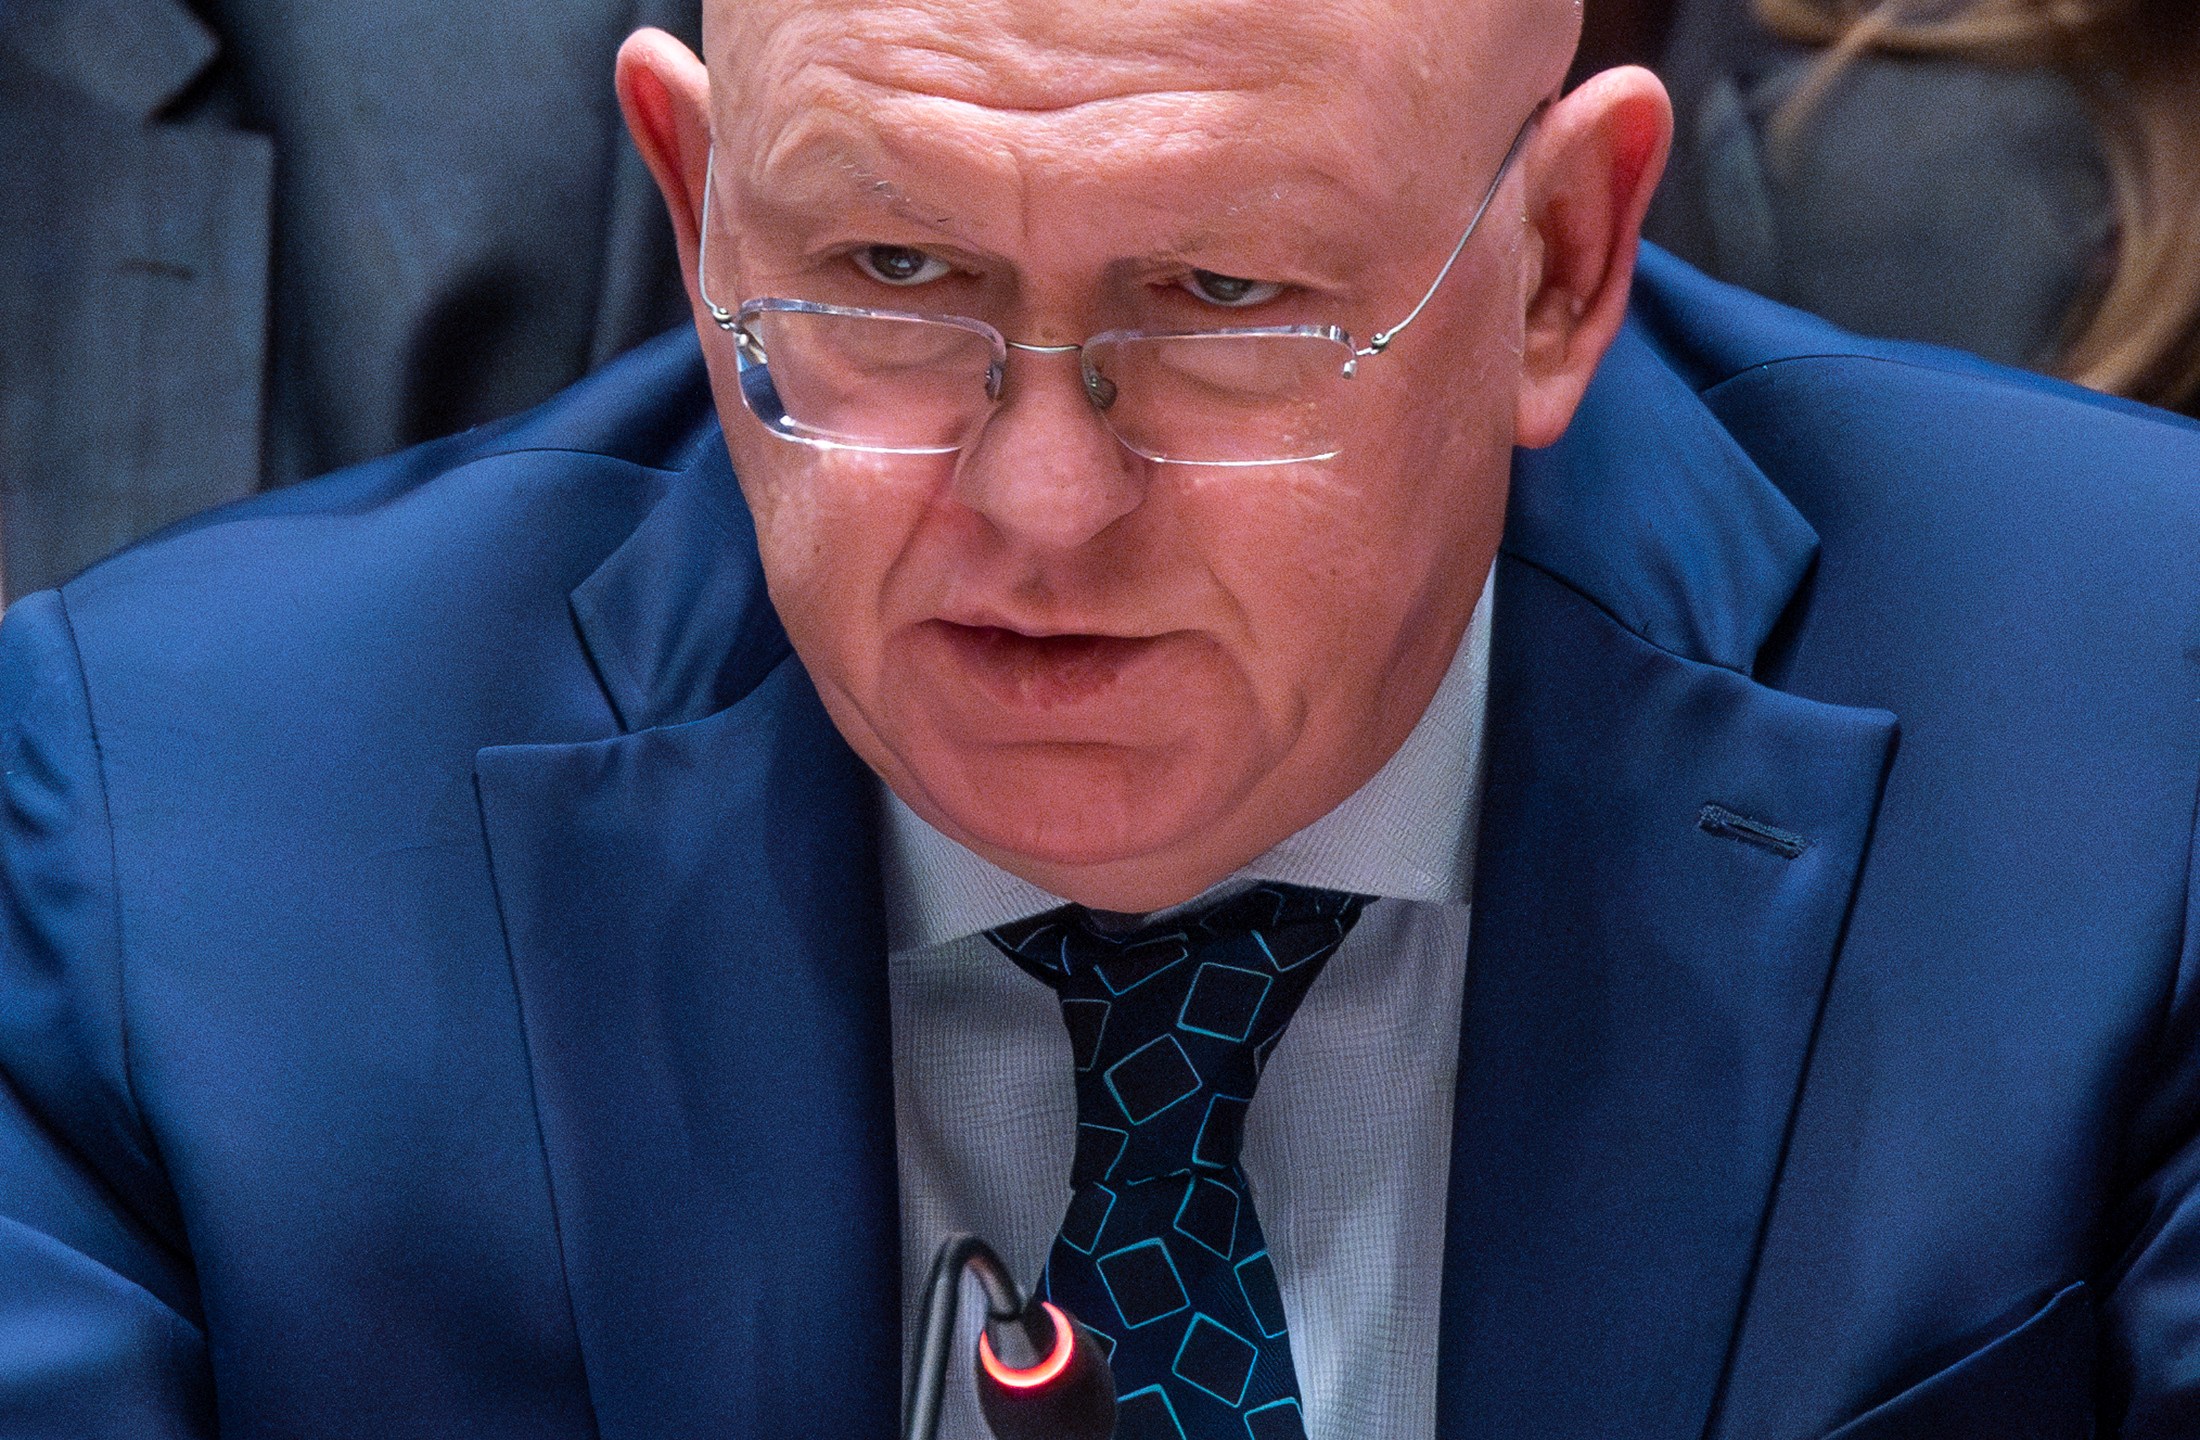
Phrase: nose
(1045, 470)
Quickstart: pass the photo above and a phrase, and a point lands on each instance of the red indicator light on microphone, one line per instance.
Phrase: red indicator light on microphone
(1069, 1395)
(1065, 1343)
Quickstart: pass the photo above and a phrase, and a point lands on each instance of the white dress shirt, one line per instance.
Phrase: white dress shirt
(1348, 1140)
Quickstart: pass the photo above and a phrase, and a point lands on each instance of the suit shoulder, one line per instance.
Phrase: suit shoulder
(650, 409)
(1964, 467)
(2002, 560)
(1854, 430)
(1711, 333)
(454, 558)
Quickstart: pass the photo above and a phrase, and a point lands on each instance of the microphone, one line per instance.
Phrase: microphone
(1041, 1374)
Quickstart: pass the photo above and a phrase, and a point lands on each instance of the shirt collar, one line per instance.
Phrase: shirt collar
(1407, 834)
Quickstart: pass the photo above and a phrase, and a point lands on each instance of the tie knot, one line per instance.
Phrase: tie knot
(1171, 1023)
(1274, 920)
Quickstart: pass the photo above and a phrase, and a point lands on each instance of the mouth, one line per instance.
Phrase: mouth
(1043, 672)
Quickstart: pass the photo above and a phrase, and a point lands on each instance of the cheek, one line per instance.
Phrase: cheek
(1338, 569)
(830, 526)
(1296, 556)
(1337, 555)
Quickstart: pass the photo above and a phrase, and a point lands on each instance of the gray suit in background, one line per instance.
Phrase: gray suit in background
(246, 241)
(1931, 200)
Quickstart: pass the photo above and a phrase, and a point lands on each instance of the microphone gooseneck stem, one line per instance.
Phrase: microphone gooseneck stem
(936, 1324)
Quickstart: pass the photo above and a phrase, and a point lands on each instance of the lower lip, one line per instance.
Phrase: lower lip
(1049, 672)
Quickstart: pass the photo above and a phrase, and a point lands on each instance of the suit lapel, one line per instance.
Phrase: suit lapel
(696, 932)
(1667, 854)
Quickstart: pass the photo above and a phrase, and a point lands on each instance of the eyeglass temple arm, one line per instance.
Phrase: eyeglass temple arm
(718, 312)
(1380, 342)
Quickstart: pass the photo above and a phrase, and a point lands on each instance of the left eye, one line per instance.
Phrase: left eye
(1231, 291)
(900, 265)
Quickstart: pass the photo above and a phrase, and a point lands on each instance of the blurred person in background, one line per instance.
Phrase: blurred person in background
(244, 242)
(2019, 178)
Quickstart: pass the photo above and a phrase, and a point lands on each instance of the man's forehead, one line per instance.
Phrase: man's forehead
(929, 159)
(1042, 55)
(1314, 104)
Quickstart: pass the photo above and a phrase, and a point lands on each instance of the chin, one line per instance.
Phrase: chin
(1068, 806)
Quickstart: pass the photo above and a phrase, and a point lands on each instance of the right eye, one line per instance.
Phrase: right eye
(1231, 292)
(900, 265)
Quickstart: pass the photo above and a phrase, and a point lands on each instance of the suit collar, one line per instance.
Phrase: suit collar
(1651, 511)
(677, 620)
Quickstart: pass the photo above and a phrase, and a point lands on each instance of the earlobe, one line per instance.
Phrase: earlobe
(664, 93)
(1591, 177)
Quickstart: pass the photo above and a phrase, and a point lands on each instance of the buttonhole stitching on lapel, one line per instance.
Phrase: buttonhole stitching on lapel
(1720, 821)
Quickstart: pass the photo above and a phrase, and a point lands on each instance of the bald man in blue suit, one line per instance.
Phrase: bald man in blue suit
(460, 967)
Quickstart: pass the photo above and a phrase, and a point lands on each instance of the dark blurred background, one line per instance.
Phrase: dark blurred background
(1621, 32)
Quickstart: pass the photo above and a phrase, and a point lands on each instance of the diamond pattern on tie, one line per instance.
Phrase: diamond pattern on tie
(1161, 1251)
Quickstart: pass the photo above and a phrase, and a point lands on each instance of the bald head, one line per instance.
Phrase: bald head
(1401, 67)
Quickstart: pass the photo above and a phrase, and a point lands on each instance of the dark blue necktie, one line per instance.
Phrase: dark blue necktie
(1160, 1252)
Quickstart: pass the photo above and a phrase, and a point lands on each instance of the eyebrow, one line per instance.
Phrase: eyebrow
(813, 176)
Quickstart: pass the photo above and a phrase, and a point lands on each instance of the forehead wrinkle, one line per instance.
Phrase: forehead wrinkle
(831, 146)
(942, 82)
(820, 143)
(1433, 57)
(1012, 56)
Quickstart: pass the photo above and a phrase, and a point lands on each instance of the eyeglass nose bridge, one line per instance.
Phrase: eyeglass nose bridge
(1099, 389)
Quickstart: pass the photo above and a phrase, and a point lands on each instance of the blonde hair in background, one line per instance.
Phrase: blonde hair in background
(2137, 62)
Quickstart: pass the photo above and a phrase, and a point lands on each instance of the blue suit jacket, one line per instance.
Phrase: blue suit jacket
(442, 980)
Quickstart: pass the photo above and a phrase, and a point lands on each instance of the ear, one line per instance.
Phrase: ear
(664, 92)
(1590, 174)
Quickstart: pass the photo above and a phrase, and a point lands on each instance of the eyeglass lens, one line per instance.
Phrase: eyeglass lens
(906, 384)
(866, 381)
